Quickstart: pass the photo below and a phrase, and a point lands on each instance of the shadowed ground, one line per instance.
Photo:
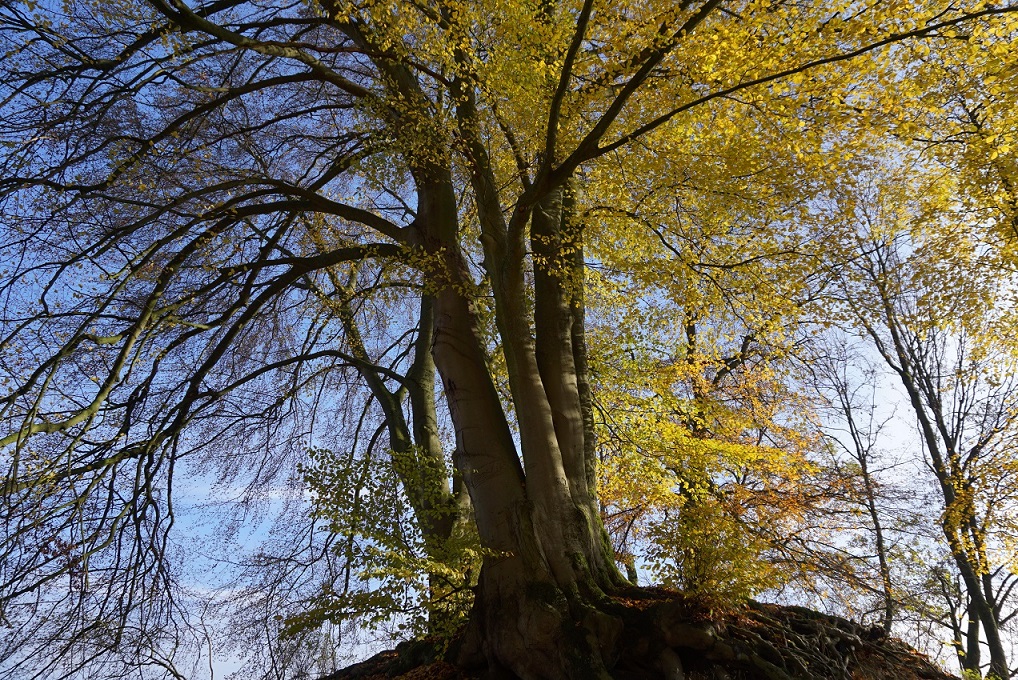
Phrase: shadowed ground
(668, 637)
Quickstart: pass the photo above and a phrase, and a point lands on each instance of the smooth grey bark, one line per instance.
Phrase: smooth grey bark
(887, 620)
(554, 281)
(548, 559)
(417, 450)
(520, 611)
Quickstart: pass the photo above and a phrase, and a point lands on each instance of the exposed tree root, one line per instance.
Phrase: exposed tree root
(668, 637)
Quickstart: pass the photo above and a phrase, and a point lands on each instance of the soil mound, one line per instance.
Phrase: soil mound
(669, 637)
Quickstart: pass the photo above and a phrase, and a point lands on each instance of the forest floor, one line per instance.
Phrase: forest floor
(668, 636)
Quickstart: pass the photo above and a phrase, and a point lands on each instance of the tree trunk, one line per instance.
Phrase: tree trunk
(973, 655)
(540, 607)
(887, 619)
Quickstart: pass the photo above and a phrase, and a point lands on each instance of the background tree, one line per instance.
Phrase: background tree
(886, 530)
(930, 315)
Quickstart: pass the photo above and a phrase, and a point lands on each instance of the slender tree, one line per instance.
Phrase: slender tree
(961, 389)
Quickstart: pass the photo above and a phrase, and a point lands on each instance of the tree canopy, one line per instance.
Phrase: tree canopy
(496, 284)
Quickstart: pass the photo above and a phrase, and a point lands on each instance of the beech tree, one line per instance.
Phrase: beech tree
(198, 199)
(964, 409)
(918, 291)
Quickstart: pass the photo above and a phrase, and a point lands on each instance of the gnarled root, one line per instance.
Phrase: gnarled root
(647, 634)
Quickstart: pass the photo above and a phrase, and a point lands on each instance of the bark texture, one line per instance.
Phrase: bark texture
(539, 609)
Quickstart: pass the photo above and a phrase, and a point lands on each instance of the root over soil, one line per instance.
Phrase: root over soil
(669, 637)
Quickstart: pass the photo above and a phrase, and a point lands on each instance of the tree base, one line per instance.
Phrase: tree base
(667, 636)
